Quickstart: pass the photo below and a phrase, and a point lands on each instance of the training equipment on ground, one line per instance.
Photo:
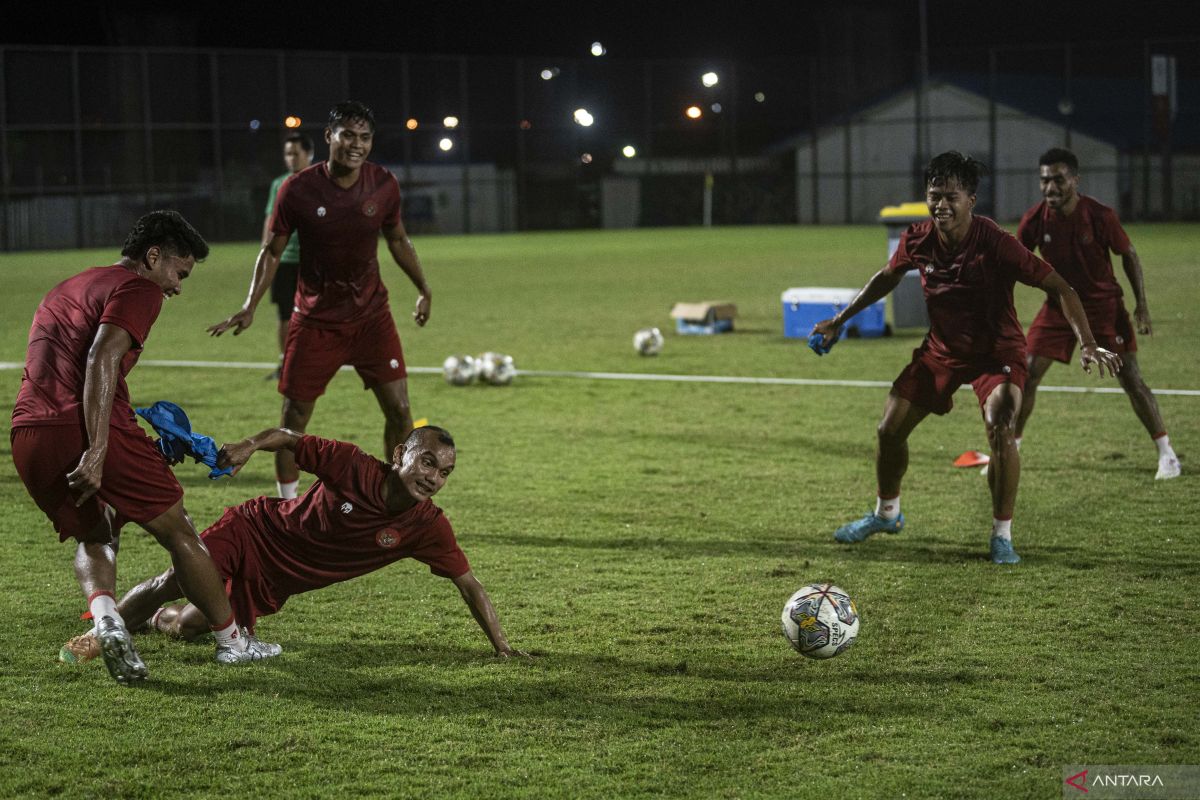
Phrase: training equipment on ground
(648, 341)
(459, 370)
(820, 621)
(496, 368)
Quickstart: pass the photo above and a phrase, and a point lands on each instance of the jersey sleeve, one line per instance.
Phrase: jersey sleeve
(283, 217)
(133, 306)
(338, 464)
(1115, 238)
(441, 553)
(901, 260)
(1015, 259)
(1027, 230)
(278, 182)
(391, 202)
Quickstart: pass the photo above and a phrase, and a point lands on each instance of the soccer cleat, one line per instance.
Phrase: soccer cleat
(869, 525)
(256, 650)
(1002, 551)
(79, 650)
(122, 659)
(1167, 468)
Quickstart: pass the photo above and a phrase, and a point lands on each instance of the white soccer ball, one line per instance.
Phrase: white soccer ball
(820, 621)
(648, 341)
(496, 368)
(459, 370)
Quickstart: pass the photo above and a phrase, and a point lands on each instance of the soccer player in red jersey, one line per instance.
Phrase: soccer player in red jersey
(968, 266)
(338, 207)
(1075, 234)
(359, 516)
(80, 452)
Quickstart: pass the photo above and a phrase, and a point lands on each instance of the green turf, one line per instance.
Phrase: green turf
(640, 539)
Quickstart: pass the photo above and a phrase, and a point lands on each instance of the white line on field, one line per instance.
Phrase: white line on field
(643, 376)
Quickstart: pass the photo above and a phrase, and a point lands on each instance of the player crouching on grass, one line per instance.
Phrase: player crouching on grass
(360, 515)
(968, 266)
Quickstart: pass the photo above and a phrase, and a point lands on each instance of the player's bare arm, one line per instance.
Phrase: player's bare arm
(236, 454)
(1089, 352)
(476, 598)
(100, 384)
(402, 250)
(265, 267)
(1133, 270)
(880, 285)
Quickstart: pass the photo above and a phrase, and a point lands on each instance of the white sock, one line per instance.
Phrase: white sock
(230, 636)
(104, 605)
(1002, 528)
(288, 490)
(1163, 443)
(888, 509)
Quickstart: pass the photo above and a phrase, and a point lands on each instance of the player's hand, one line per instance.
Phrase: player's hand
(84, 480)
(421, 315)
(511, 653)
(828, 331)
(239, 322)
(1103, 359)
(1141, 316)
(235, 454)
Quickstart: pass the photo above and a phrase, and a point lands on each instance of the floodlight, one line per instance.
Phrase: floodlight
(450, 122)
(446, 144)
(586, 158)
(759, 97)
(582, 117)
(291, 122)
(693, 112)
(598, 49)
(629, 151)
(709, 79)
(411, 124)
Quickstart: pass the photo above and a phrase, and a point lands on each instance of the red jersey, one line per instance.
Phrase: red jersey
(341, 527)
(339, 281)
(63, 329)
(1078, 246)
(969, 292)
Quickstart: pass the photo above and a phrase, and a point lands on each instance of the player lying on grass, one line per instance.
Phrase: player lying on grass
(360, 515)
(968, 267)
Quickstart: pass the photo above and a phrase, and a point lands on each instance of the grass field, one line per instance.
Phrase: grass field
(640, 539)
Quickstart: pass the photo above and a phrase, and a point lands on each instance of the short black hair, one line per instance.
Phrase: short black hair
(954, 165)
(303, 139)
(167, 230)
(349, 111)
(1060, 155)
(442, 434)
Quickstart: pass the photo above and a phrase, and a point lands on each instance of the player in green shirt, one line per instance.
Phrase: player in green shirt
(297, 155)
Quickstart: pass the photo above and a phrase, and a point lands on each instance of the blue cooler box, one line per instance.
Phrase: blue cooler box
(805, 307)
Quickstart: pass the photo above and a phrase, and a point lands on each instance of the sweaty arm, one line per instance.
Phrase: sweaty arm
(236, 454)
(402, 250)
(103, 371)
(264, 272)
(1133, 270)
(880, 285)
(476, 598)
(1089, 352)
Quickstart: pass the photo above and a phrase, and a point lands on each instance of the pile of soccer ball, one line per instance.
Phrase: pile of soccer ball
(494, 368)
(648, 341)
(820, 621)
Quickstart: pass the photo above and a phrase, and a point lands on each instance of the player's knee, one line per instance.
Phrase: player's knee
(889, 435)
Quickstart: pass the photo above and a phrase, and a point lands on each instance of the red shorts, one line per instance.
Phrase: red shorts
(230, 542)
(930, 380)
(137, 483)
(1050, 335)
(313, 355)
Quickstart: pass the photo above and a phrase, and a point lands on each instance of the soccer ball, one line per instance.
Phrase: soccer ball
(496, 368)
(459, 370)
(648, 341)
(820, 621)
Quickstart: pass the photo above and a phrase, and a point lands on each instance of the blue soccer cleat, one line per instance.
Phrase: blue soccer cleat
(869, 525)
(1002, 551)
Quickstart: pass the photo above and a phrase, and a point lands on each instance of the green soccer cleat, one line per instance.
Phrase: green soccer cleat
(869, 525)
(1002, 551)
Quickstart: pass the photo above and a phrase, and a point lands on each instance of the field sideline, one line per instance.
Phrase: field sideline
(640, 537)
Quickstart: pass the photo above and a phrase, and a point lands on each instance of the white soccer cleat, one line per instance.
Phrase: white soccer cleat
(1168, 467)
(256, 650)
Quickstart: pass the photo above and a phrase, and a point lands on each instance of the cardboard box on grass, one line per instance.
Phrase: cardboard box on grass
(703, 318)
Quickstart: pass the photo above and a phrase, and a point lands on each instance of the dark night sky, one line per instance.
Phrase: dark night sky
(650, 28)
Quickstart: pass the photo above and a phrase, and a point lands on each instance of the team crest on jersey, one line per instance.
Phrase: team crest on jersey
(1120, 339)
(369, 208)
(929, 269)
(387, 538)
(320, 211)
(394, 364)
(347, 508)
(1046, 238)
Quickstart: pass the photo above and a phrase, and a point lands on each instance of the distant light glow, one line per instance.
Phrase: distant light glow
(629, 151)
(759, 97)
(549, 74)
(693, 112)
(710, 79)
(586, 158)
(598, 49)
(450, 122)
(717, 108)
(582, 117)
(412, 124)
(255, 124)
(446, 144)
(526, 125)
(291, 122)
